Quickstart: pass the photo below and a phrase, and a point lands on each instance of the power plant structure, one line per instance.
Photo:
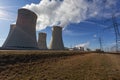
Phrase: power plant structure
(12, 27)
(56, 42)
(42, 41)
(24, 34)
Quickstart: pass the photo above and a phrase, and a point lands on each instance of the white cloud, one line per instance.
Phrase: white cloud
(85, 45)
(94, 35)
(94, 23)
(72, 33)
(5, 13)
(2, 14)
(56, 12)
(113, 44)
(2, 39)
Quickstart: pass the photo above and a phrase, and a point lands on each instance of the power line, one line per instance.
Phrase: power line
(115, 26)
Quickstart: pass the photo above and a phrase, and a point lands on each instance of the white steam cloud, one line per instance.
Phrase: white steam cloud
(64, 12)
(85, 45)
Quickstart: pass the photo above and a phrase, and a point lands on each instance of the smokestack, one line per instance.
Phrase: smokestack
(12, 27)
(42, 41)
(56, 40)
(24, 35)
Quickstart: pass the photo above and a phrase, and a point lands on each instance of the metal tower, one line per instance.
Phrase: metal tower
(117, 33)
(115, 26)
(100, 41)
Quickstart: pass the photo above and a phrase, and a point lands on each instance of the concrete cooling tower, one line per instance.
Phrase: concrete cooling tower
(24, 35)
(56, 42)
(42, 41)
(12, 27)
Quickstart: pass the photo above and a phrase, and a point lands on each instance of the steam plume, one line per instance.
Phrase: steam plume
(85, 45)
(64, 12)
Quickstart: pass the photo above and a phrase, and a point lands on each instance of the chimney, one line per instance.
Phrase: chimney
(42, 41)
(56, 42)
(24, 35)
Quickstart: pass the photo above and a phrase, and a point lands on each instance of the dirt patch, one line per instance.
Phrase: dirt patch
(76, 67)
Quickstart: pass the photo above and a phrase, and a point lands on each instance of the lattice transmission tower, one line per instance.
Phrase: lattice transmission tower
(117, 33)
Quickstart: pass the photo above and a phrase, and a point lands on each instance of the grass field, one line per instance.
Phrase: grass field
(58, 65)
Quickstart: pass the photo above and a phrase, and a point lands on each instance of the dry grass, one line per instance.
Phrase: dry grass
(25, 56)
(66, 66)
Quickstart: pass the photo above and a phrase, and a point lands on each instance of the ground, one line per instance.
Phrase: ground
(91, 66)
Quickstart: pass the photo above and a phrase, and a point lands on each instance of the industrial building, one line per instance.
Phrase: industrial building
(56, 42)
(12, 27)
(42, 41)
(24, 34)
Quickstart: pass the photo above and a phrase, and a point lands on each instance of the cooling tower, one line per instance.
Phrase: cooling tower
(42, 41)
(56, 40)
(24, 35)
(12, 27)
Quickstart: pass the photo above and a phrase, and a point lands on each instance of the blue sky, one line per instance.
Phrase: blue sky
(87, 31)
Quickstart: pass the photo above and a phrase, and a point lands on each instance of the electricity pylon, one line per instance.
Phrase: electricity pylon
(100, 41)
(117, 33)
(115, 26)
